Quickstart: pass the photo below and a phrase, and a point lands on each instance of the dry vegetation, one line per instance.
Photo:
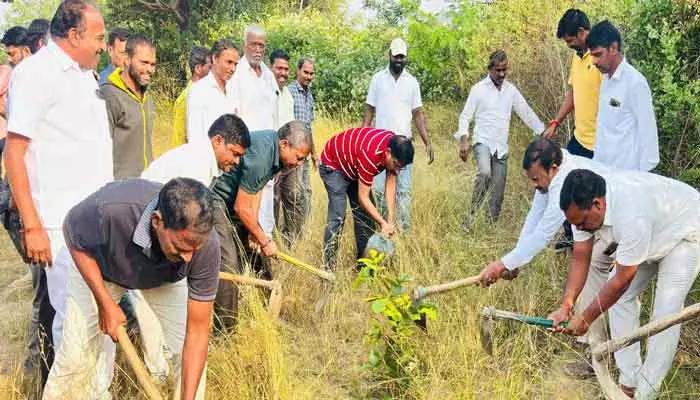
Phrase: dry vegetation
(320, 356)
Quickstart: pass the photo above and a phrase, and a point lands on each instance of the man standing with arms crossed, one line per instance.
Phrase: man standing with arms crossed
(394, 96)
(59, 149)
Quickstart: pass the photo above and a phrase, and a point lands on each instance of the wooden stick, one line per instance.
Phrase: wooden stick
(132, 357)
(650, 329)
(276, 295)
(329, 276)
(610, 389)
(421, 292)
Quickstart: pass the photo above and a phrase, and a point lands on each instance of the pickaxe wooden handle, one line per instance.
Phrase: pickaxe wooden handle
(276, 295)
(132, 357)
(329, 276)
(421, 292)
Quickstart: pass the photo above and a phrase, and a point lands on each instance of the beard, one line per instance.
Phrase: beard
(135, 77)
(397, 68)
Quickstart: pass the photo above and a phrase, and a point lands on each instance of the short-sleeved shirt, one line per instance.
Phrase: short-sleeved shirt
(646, 215)
(57, 105)
(113, 225)
(358, 153)
(260, 163)
(191, 160)
(585, 79)
(394, 101)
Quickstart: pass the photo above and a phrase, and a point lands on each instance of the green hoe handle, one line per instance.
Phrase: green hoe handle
(489, 312)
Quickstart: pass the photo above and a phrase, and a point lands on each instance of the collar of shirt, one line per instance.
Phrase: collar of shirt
(214, 166)
(404, 74)
(64, 59)
(210, 80)
(142, 234)
(620, 70)
(296, 86)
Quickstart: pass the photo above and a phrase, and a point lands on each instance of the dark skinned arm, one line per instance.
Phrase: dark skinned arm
(420, 121)
(387, 227)
(576, 279)
(367, 119)
(247, 207)
(36, 239)
(566, 107)
(194, 352)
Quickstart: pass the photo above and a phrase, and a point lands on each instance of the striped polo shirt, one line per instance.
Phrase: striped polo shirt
(358, 153)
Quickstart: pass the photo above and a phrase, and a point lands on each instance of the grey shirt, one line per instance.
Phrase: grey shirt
(113, 225)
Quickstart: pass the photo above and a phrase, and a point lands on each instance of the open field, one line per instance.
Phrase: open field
(321, 356)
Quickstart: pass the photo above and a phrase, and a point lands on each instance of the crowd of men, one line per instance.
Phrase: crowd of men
(114, 234)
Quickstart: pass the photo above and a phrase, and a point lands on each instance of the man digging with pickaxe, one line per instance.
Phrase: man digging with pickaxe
(546, 166)
(651, 225)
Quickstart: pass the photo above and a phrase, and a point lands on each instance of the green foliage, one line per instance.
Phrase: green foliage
(664, 46)
(390, 336)
(23, 12)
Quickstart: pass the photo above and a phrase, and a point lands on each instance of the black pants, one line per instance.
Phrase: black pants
(341, 190)
(235, 254)
(40, 343)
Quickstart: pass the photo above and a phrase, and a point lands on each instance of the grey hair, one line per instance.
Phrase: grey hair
(297, 134)
(497, 57)
(252, 28)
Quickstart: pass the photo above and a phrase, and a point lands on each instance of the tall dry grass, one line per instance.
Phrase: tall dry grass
(320, 356)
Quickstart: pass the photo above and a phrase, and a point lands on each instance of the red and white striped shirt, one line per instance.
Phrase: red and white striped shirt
(358, 153)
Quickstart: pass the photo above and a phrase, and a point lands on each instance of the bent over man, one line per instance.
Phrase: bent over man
(651, 225)
(136, 234)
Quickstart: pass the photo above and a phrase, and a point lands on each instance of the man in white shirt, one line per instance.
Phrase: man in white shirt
(204, 162)
(546, 166)
(255, 91)
(652, 227)
(59, 148)
(489, 105)
(210, 97)
(394, 96)
(626, 134)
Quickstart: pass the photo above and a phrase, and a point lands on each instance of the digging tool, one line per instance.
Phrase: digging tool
(488, 314)
(602, 350)
(422, 292)
(275, 302)
(132, 357)
(326, 275)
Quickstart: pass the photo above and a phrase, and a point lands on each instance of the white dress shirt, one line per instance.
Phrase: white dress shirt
(647, 215)
(285, 107)
(205, 103)
(255, 97)
(394, 101)
(195, 160)
(57, 105)
(545, 217)
(491, 108)
(626, 135)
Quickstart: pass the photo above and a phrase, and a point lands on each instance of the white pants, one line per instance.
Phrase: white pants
(84, 361)
(56, 281)
(675, 275)
(266, 216)
(598, 274)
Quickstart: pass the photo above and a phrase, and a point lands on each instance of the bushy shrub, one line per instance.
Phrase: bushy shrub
(665, 47)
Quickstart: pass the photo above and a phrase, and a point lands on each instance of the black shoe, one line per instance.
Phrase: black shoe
(563, 245)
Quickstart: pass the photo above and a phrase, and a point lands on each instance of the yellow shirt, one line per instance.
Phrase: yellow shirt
(179, 122)
(585, 80)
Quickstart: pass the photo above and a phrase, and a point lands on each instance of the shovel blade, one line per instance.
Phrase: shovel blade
(486, 333)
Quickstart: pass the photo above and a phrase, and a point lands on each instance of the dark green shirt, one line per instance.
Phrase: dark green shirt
(259, 164)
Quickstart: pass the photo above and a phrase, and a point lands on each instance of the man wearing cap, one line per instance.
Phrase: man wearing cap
(394, 96)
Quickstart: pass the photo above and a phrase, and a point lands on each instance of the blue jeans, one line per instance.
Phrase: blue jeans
(403, 196)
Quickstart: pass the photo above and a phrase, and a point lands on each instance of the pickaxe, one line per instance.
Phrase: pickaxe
(488, 314)
(134, 361)
(275, 302)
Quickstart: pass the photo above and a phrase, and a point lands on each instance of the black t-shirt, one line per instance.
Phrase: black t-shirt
(113, 225)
